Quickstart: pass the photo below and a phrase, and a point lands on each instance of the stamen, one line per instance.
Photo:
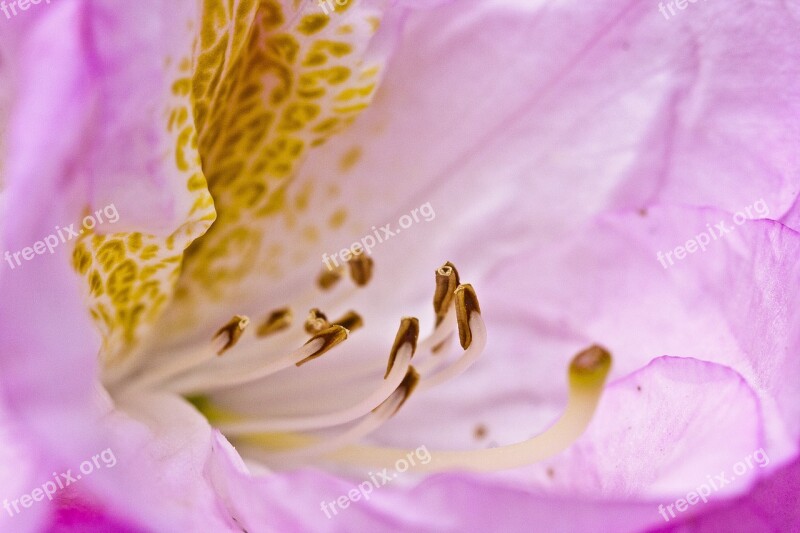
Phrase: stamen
(361, 268)
(329, 277)
(229, 334)
(466, 306)
(440, 334)
(204, 383)
(587, 375)
(277, 320)
(477, 343)
(225, 338)
(407, 386)
(350, 321)
(369, 423)
(330, 337)
(447, 280)
(407, 334)
(316, 321)
(398, 373)
(376, 398)
(439, 347)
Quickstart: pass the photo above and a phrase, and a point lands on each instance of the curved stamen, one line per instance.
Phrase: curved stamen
(471, 332)
(466, 306)
(433, 350)
(587, 375)
(407, 334)
(470, 355)
(440, 333)
(228, 335)
(369, 423)
(399, 361)
(315, 347)
(447, 281)
(224, 339)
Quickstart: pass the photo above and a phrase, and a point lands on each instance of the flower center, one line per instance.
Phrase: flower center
(234, 358)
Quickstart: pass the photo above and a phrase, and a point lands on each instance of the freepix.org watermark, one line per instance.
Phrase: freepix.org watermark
(702, 240)
(384, 477)
(328, 7)
(368, 242)
(703, 491)
(62, 235)
(673, 5)
(9, 8)
(59, 482)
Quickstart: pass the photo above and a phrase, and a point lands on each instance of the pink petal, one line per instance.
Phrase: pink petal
(659, 432)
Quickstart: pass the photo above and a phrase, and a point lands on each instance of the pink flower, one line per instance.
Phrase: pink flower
(183, 186)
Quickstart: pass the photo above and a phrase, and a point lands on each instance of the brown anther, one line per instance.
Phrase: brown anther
(406, 387)
(330, 336)
(350, 321)
(446, 282)
(329, 277)
(407, 333)
(277, 320)
(316, 321)
(466, 304)
(361, 268)
(230, 333)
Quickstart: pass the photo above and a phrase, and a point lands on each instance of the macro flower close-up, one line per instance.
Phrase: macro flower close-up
(400, 265)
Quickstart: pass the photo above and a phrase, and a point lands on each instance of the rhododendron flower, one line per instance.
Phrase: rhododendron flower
(410, 265)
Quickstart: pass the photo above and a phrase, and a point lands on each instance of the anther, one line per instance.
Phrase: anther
(351, 321)
(329, 277)
(330, 337)
(316, 321)
(360, 268)
(446, 283)
(407, 333)
(229, 334)
(405, 389)
(466, 304)
(276, 321)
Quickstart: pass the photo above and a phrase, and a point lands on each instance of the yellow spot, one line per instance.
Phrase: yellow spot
(351, 109)
(350, 158)
(371, 72)
(311, 24)
(311, 234)
(355, 92)
(303, 197)
(338, 218)
(375, 22)
(182, 87)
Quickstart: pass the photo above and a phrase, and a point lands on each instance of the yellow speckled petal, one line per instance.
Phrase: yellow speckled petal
(131, 275)
(296, 81)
